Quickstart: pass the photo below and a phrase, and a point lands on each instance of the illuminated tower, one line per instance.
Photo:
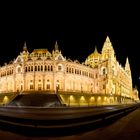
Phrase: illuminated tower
(127, 67)
(107, 50)
(25, 47)
(56, 51)
(108, 55)
(24, 53)
(128, 71)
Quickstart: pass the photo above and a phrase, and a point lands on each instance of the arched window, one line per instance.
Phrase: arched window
(41, 68)
(35, 68)
(29, 68)
(38, 68)
(57, 85)
(67, 69)
(59, 68)
(48, 67)
(80, 72)
(31, 86)
(104, 71)
(48, 85)
(96, 75)
(72, 70)
(39, 86)
(25, 69)
(45, 68)
(51, 68)
(75, 71)
(19, 69)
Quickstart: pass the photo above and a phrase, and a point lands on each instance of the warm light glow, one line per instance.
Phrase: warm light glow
(82, 98)
(71, 97)
(92, 99)
(105, 98)
(101, 74)
(99, 98)
(5, 100)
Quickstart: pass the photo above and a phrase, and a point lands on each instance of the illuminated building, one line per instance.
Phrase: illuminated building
(100, 77)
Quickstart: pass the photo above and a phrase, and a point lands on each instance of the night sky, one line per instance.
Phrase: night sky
(78, 28)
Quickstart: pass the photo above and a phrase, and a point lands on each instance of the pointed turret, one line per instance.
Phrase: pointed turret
(25, 47)
(56, 51)
(107, 50)
(127, 67)
(96, 51)
(56, 46)
(95, 54)
(107, 39)
(24, 54)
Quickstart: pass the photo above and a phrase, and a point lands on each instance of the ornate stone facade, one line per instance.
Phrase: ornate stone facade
(44, 71)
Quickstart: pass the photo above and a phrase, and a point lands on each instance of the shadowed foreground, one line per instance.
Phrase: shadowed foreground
(124, 128)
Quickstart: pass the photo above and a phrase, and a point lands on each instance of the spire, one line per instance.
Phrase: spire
(107, 44)
(25, 47)
(56, 46)
(127, 62)
(107, 50)
(127, 66)
(107, 39)
(95, 51)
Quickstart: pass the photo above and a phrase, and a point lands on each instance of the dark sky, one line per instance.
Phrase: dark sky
(77, 27)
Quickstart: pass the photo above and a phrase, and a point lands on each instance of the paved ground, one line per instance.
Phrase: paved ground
(126, 128)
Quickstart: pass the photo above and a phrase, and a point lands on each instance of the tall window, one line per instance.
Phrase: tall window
(31, 86)
(41, 68)
(31, 68)
(19, 69)
(48, 67)
(51, 68)
(48, 86)
(38, 68)
(39, 86)
(35, 68)
(57, 85)
(96, 76)
(21, 87)
(104, 71)
(103, 86)
(45, 68)
(59, 68)
(67, 69)
(72, 70)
